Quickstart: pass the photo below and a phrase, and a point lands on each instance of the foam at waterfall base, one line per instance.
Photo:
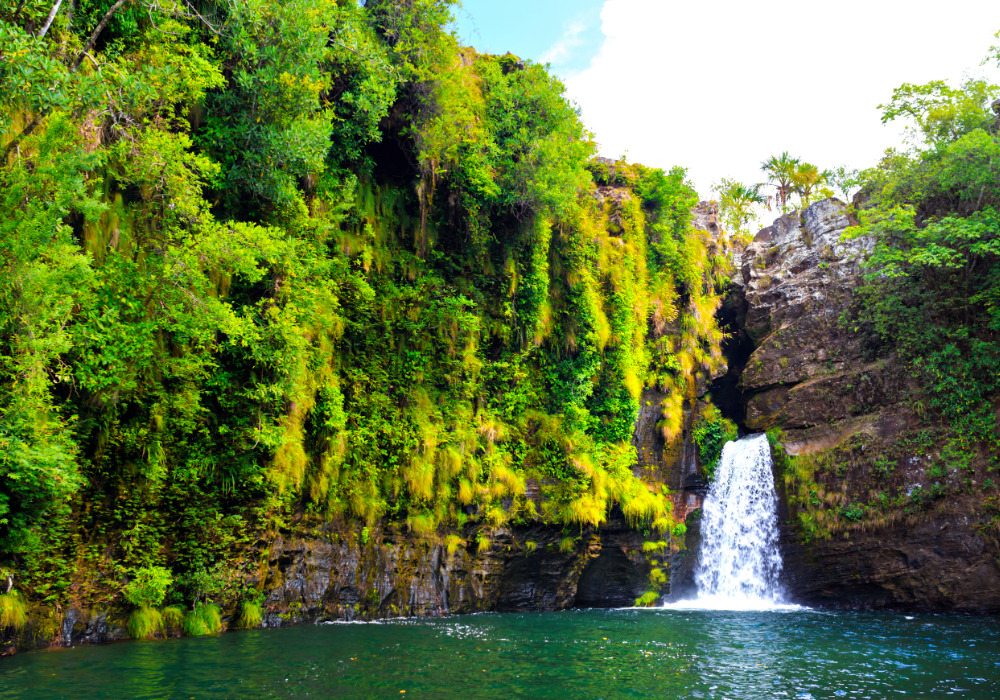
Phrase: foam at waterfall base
(732, 603)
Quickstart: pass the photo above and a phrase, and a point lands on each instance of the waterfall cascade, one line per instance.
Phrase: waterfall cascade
(739, 565)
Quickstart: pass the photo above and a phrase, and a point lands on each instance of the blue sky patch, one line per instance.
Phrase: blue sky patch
(565, 33)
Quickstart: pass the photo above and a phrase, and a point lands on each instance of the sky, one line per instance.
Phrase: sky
(718, 86)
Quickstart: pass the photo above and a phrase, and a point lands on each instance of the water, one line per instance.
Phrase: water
(575, 654)
(739, 565)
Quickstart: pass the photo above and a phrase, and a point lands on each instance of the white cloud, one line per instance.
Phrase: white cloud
(563, 49)
(719, 86)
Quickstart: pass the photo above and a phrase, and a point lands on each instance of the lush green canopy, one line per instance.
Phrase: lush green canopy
(262, 259)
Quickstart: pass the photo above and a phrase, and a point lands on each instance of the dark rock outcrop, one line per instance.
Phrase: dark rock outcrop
(531, 568)
(925, 564)
(796, 280)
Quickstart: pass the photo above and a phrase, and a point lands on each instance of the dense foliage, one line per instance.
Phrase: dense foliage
(933, 279)
(264, 259)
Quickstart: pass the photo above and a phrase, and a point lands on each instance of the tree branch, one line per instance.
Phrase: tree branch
(48, 22)
(72, 69)
(96, 33)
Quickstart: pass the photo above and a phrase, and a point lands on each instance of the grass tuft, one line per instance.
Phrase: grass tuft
(204, 619)
(173, 618)
(251, 614)
(144, 622)
(647, 599)
(13, 610)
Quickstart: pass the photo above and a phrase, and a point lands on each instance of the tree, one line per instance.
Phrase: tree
(737, 202)
(780, 171)
(940, 113)
(845, 181)
(808, 181)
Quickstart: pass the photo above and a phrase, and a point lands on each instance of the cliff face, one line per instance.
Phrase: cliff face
(876, 513)
(797, 278)
(527, 568)
(313, 571)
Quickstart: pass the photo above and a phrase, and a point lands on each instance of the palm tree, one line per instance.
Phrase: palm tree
(736, 202)
(780, 171)
(806, 179)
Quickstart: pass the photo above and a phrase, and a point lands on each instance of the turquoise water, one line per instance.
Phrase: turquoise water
(575, 654)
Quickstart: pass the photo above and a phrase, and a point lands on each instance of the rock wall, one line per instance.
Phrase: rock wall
(530, 568)
(324, 571)
(796, 279)
(848, 412)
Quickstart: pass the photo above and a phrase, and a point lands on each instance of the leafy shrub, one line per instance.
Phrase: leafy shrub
(853, 512)
(148, 586)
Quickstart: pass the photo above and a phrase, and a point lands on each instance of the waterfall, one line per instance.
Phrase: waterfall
(739, 564)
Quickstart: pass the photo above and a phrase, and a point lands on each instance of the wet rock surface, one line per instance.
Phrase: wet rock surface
(926, 565)
(796, 279)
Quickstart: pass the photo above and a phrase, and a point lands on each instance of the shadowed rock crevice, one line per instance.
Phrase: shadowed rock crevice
(737, 347)
(612, 580)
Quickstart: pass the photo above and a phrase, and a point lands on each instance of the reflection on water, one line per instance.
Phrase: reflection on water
(591, 654)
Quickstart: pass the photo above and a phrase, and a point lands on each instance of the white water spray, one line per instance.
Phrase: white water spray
(739, 565)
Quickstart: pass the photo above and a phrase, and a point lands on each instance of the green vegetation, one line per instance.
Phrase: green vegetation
(790, 175)
(250, 615)
(144, 622)
(780, 171)
(13, 610)
(736, 204)
(264, 261)
(932, 293)
(711, 433)
(149, 587)
(173, 619)
(929, 306)
(204, 619)
(647, 599)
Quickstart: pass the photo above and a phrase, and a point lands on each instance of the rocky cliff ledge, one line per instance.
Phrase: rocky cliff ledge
(877, 513)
